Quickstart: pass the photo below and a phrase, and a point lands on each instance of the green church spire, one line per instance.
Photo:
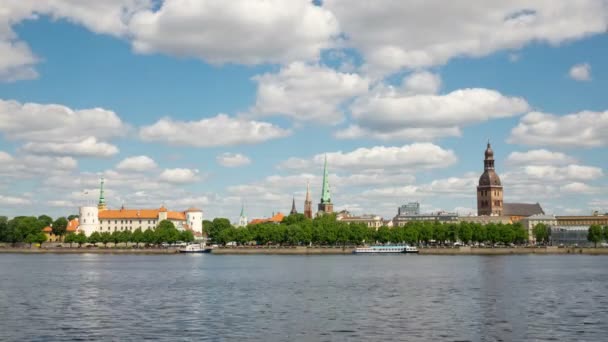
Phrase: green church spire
(325, 195)
(102, 201)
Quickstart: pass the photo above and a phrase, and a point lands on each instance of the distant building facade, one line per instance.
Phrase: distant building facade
(411, 212)
(371, 221)
(485, 219)
(531, 221)
(409, 209)
(569, 236)
(588, 220)
(276, 218)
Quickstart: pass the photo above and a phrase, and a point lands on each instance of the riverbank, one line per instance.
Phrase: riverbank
(311, 250)
(68, 250)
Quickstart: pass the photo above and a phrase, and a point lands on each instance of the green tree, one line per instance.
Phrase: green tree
(39, 238)
(383, 234)
(126, 237)
(137, 237)
(4, 229)
(243, 236)
(45, 220)
(293, 219)
(440, 232)
(104, 238)
(59, 226)
(80, 239)
(492, 233)
(149, 237)
(165, 224)
(20, 227)
(70, 238)
(426, 232)
(116, 237)
(71, 217)
(94, 238)
(541, 233)
(186, 236)
(465, 232)
(595, 234)
(605, 231)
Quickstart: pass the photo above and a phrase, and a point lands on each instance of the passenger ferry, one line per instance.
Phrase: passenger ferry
(195, 248)
(386, 249)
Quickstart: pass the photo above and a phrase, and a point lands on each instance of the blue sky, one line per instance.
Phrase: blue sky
(213, 104)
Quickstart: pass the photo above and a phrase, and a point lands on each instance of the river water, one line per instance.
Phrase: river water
(304, 298)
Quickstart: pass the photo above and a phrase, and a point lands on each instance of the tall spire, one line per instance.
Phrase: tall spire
(242, 210)
(293, 207)
(325, 195)
(308, 202)
(102, 201)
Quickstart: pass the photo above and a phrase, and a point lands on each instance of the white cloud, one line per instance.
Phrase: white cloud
(89, 147)
(416, 134)
(422, 82)
(59, 130)
(14, 201)
(391, 109)
(307, 92)
(414, 156)
(562, 173)
(583, 129)
(580, 72)
(236, 31)
(577, 187)
(28, 166)
(415, 112)
(62, 204)
(412, 34)
(233, 159)
(179, 176)
(220, 130)
(136, 163)
(17, 60)
(539, 157)
(452, 186)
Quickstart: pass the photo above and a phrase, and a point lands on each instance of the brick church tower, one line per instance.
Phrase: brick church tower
(489, 191)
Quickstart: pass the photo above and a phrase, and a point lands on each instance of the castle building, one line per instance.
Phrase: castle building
(308, 202)
(100, 219)
(489, 191)
(293, 207)
(325, 206)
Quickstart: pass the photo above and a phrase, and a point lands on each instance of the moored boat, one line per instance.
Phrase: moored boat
(386, 249)
(195, 248)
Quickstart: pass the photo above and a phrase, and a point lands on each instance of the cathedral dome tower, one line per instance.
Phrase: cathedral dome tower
(489, 191)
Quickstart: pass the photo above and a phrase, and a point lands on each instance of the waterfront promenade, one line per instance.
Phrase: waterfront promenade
(311, 250)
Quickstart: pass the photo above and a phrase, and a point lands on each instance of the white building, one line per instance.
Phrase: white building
(531, 221)
(100, 219)
(371, 221)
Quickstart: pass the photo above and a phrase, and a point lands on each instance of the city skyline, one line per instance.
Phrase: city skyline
(401, 116)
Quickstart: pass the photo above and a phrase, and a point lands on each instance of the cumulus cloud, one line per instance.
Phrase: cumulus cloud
(233, 159)
(89, 147)
(179, 175)
(561, 173)
(307, 92)
(14, 201)
(583, 129)
(580, 72)
(28, 166)
(405, 34)
(539, 157)
(136, 163)
(17, 61)
(452, 186)
(418, 155)
(237, 31)
(577, 187)
(60, 130)
(414, 111)
(220, 130)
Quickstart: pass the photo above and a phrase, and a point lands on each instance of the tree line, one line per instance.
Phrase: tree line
(597, 234)
(28, 229)
(297, 230)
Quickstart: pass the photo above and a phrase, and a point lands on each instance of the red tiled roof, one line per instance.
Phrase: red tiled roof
(47, 229)
(141, 214)
(72, 225)
(276, 219)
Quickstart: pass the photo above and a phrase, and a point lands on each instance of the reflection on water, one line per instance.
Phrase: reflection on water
(311, 298)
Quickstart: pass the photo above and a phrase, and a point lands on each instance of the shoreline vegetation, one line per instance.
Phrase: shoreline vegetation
(315, 250)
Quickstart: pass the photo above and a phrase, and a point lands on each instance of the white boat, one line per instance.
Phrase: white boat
(195, 248)
(386, 249)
